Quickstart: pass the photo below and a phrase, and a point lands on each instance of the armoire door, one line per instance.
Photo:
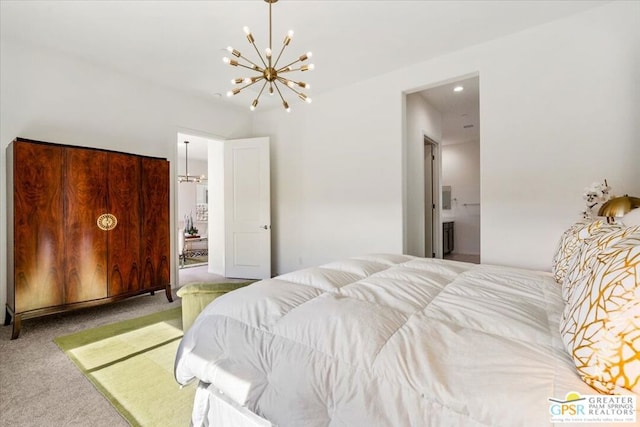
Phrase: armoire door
(86, 243)
(155, 223)
(123, 258)
(38, 239)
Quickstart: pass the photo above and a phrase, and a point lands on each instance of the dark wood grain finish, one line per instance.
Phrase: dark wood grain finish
(124, 240)
(85, 201)
(58, 259)
(155, 226)
(38, 240)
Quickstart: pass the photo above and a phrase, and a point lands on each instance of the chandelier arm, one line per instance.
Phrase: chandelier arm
(279, 93)
(289, 87)
(255, 66)
(292, 70)
(186, 177)
(250, 84)
(275, 64)
(249, 68)
(261, 90)
(282, 70)
(300, 94)
(285, 81)
(259, 55)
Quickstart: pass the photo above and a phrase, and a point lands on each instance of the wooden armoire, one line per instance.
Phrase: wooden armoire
(85, 227)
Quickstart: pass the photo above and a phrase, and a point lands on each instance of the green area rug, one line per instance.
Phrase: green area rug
(131, 364)
(196, 260)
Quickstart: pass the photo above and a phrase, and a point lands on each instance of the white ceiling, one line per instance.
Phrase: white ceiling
(460, 110)
(180, 43)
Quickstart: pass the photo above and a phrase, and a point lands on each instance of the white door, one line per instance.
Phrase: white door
(429, 202)
(247, 208)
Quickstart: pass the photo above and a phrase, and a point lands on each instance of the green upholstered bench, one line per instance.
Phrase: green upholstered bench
(196, 296)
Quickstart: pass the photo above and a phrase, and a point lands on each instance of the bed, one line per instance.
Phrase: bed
(394, 340)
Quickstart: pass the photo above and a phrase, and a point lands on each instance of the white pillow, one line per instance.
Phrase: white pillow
(631, 218)
(567, 247)
(600, 325)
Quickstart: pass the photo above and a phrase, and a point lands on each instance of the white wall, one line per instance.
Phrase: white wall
(422, 119)
(52, 97)
(337, 189)
(461, 171)
(559, 106)
(197, 167)
(559, 110)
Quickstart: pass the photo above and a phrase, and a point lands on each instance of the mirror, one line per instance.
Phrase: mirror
(446, 197)
(202, 202)
(202, 193)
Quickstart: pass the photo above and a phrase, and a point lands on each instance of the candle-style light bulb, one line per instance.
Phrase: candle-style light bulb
(287, 38)
(247, 31)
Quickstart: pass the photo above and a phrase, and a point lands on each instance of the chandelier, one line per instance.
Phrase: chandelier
(269, 73)
(186, 177)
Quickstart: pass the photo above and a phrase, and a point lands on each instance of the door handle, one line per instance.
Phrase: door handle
(265, 227)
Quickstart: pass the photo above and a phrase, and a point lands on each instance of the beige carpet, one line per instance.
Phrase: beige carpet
(41, 387)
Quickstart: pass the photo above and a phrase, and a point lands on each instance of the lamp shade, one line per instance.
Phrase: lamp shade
(619, 206)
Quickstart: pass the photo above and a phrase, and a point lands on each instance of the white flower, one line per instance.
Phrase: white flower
(597, 192)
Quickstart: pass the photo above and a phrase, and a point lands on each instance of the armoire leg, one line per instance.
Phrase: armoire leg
(7, 316)
(17, 324)
(167, 290)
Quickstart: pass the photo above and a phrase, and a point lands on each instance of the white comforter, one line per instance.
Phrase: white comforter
(387, 340)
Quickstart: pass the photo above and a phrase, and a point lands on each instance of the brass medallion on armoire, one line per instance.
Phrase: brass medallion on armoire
(107, 222)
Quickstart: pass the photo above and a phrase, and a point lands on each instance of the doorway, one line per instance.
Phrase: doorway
(431, 185)
(222, 221)
(192, 200)
(449, 113)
